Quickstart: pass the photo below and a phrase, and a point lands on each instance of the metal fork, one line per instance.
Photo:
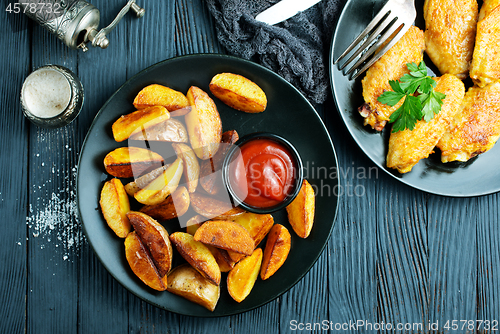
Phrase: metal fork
(395, 17)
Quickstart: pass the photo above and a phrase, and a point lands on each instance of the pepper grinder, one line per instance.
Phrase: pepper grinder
(76, 22)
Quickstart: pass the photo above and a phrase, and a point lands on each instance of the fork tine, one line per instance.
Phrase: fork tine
(373, 23)
(387, 21)
(394, 40)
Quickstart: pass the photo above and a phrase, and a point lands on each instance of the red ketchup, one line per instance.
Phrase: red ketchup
(263, 173)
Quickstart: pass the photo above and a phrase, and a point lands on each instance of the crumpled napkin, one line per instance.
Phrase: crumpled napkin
(297, 49)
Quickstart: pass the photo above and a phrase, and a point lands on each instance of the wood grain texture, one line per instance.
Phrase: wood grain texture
(13, 181)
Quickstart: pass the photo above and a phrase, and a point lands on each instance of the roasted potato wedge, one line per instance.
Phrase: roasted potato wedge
(191, 165)
(211, 207)
(221, 255)
(114, 206)
(155, 238)
(278, 246)
(238, 92)
(125, 162)
(187, 282)
(141, 182)
(173, 206)
(170, 130)
(197, 255)
(203, 123)
(226, 235)
(165, 184)
(211, 169)
(138, 121)
(301, 210)
(141, 263)
(258, 225)
(242, 277)
(158, 95)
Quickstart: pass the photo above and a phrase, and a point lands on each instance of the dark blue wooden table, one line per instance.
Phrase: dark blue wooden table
(396, 255)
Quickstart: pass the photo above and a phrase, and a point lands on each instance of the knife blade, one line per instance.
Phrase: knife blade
(284, 10)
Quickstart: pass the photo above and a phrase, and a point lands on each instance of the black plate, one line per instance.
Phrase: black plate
(479, 176)
(288, 114)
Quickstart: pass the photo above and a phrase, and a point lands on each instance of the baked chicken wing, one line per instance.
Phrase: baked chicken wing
(391, 66)
(450, 30)
(476, 126)
(407, 148)
(485, 66)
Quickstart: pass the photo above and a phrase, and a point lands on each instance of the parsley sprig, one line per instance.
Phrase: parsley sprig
(425, 105)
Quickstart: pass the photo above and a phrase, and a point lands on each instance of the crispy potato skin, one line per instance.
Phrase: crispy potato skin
(226, 235)
(173, 206)
(238, 92)
(197, 255)
(138, 121)
(278, 246)
(158, 95)
(115, 204)
(155, 238)
(242, 277)
(203, 123)
(191, 165)
(301, 210)
(211, 169)
(187, 282)
(141, 263)
(125, 162)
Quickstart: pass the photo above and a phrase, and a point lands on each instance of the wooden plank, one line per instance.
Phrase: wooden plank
(352, 287)
(14, 179)
(402, 256)
(488, 261)
(452, 259)
(103, 302)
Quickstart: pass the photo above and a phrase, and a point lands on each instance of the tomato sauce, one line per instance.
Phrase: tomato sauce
(263, 174)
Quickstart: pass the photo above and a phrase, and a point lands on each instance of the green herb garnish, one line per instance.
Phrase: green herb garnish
(425, 105)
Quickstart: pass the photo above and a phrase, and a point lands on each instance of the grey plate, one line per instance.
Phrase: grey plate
(479, 176)
(288, 114)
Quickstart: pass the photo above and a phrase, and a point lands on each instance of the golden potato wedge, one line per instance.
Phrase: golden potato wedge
(301, 210)
(221, 255)
(203, 123)
(242, 277)
(226, 235)
(171, 130)
(211, 207)
(114, 206)
(165, 184)
(138, 121)
(187, 282)
(141, 263)
(258, 225)
(191, 165)
(141, 182)
(238, 92)
(173, 206)
(278, 246)
(155, 238)
(197, 255)
(211, 169)
(158, 95)
(125, 162)
(180, 112)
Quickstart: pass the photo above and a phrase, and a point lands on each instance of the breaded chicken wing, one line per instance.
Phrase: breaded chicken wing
(391, 66)
(450, 30)
(485, 67)
(476, 126)
(407, 148)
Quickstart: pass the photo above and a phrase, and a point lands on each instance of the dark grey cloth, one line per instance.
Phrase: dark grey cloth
(297, 49)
